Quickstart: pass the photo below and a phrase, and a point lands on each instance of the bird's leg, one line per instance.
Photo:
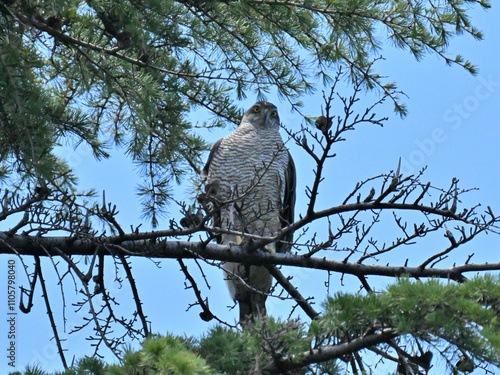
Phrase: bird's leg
(271, 248)
(249, 244)
(239, 240)
(231, 239)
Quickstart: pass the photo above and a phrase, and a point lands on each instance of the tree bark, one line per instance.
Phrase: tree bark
(53, 246)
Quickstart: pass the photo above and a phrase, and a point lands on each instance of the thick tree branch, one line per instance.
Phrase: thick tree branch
(329, 352)
(43, 246)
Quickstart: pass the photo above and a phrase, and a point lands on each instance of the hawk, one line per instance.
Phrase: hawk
(251, 178)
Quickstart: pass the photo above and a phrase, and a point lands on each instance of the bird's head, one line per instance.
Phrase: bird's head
(262, 115)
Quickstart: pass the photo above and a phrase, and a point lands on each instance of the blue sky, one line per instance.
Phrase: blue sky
(452, 127)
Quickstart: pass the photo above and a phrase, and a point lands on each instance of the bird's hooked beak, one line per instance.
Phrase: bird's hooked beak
(266, 115)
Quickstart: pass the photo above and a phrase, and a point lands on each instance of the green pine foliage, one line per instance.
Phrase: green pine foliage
(228, 350)
(129, 73)
(161, 355)
(232, 352)
(455, 321)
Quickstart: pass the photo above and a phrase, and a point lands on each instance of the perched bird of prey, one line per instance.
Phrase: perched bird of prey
(251, 177)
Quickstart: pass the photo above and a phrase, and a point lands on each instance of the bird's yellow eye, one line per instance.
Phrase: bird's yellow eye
(274, 113)
(256, 108)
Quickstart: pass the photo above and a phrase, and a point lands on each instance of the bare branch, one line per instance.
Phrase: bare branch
(293, 291)
(53, 324)
(206, 314)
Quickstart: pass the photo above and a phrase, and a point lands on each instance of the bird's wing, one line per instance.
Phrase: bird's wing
(213, 152)
(216, 219)
(288, 206)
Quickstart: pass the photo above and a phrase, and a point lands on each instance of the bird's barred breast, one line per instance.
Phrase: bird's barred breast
(251, 165)
(248, 158)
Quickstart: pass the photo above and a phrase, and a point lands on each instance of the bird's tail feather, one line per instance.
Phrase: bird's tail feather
(252, 307)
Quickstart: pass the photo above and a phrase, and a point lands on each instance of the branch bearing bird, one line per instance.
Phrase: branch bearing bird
(250, 176)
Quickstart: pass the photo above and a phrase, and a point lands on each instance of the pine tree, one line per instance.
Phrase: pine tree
(101, 74)
(107, 73)
(419, 315)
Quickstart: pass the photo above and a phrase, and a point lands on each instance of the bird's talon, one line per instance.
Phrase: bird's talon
(270, 248)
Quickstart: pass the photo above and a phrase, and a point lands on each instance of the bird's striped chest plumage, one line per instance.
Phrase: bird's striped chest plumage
(251, 191)
(246, 155)
(249, 168)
